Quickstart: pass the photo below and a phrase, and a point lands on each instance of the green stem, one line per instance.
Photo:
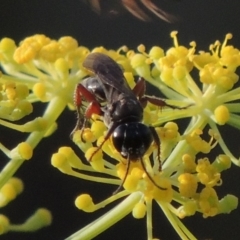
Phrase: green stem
(54, 109)
(107, 220)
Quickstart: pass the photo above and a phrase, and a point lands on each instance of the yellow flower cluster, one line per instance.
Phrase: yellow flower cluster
(44, 70)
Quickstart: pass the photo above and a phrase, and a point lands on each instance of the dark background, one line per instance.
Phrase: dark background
(201, 20)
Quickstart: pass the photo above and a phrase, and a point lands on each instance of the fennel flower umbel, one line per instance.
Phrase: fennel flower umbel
(44, 70)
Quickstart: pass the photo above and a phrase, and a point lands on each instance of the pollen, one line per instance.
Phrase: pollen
(51, 52)
(26, 52)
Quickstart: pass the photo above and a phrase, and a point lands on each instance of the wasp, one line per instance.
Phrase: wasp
(109, 95)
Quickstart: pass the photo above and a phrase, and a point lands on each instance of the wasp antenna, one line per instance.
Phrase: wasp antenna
(125, 177)
(151, 179)
(157, 142)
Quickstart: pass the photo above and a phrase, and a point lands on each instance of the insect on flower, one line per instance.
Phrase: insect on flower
(121, 107)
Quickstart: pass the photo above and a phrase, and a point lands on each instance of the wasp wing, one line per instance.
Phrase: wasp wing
(109, 74)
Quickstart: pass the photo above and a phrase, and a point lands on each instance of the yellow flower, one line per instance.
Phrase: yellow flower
(41, 69)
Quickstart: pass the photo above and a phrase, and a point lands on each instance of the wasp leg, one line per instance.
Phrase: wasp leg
(157, 142)
(160, 102)
(82, 94)
(106, 137)
(140, 88)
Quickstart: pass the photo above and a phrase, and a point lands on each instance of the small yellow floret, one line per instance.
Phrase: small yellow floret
(96, 160)
(187, 185)
(139, 210)
(88, 135)
(97, 128)
(156, 53)
(130, 79)
(22, 91)
(179, 72)
(7, 44)
(228, 203)
(17, 184)
(165, 194)
(207, 173)
(189, 208)
(25, 108)
(197, 143)
(62, 66)
(141, 48)
(138, 60)
(84, 202)
(38, 124)
(41, 218)
(221, 114)
(8, 191)
(167, 76)
(26, 52)
(68, 43)
(60, 161)
(39, 90)
(208, 202)
(23, 151)
(189, 163)
(4, 224)
(10, 93)
(222, 162)
(131, 183)
(51, 52)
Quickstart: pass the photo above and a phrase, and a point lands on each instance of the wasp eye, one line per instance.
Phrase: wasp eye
(132, 140)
